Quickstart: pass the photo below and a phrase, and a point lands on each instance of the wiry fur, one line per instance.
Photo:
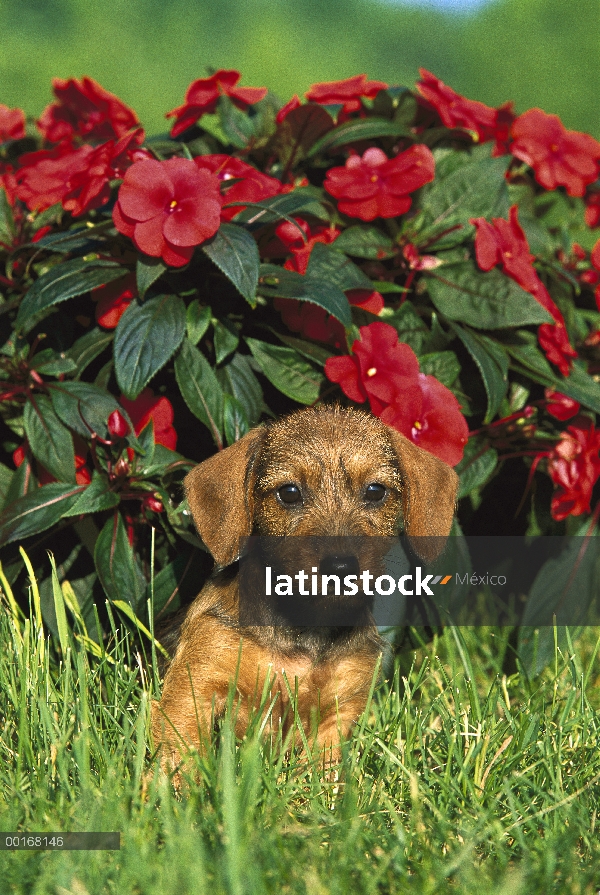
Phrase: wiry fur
(332, 454)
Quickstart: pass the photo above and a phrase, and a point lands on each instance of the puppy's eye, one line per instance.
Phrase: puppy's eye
(374, 493)
(289, 495)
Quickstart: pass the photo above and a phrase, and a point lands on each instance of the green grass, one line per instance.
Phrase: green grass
(458, 780)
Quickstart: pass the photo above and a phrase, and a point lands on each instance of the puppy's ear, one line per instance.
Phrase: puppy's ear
(429, 496)
(219, 495)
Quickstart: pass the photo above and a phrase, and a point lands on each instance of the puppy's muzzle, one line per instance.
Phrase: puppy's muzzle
(339, 565)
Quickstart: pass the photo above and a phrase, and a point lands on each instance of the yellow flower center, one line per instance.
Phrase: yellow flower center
(417, 425)
(173, 204)
(371, 371)
(374, 178)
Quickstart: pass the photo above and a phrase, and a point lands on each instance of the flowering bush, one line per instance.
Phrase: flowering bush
(414, 251)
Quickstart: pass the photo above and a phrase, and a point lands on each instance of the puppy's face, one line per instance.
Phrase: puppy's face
(321, 472)
(327, 475)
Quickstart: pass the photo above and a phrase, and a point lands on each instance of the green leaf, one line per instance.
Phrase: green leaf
(237, 378)
(146, 337)
(7, 221)
(77, 240)
(177, 580)
(411, 328)
(148, 271)
(475, 189)
(492, 362)
(197, 320)
(36, 511)
(50, 441)
(238, 126)
(443, 365)
(281, 207)
(235, 253)
(566, 586)
(580, 386)
(475, 468)
(94, 498)
(21, 482)
(89, 347)
(116, 565)
(59, 609)
(6, 476)
(484, 300)
(226, 339)
(200, 388)
(276, 282)
(66, 280)
(52, 363)
(365, 242)
(76, 402)
(146, 445)
(358, 129)
(310, 350)
(287, 371)
(523, 347)
(328, 264)
(299, 131)
(235, 420)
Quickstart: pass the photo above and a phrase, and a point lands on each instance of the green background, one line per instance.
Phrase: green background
(537, 52)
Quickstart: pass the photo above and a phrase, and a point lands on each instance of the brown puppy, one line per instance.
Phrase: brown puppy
(323, 471)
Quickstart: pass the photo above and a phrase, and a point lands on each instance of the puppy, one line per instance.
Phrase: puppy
(326, 472)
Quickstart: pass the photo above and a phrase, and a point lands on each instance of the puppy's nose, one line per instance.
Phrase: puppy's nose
(339, 565)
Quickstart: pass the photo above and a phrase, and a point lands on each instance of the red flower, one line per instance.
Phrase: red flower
(118, 425)
(20, 454)
(79, 178)
(12, 124)
(347, 93)
(313, 322)
(251, 185)
(554, 341)
(503, 242)
(386, 372)
(429, 415)
(86, 110)
(153, 503)
(595, 259)
(377, 369)
(202, 97)
(560, 406)
(574, 467)
(558, 157)
(113, 300)
(44, 177)
(592, 209)
(160, 410)
(292, 104)
(109, 161)
(456, 111)
(374, 186)
(8, 183)
(167, 208)
(292, 239)
(419, 262)
(83, 475)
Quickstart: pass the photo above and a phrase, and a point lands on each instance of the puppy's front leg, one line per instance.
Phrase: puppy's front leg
(198, 684)
(182, 721)
(342, 700)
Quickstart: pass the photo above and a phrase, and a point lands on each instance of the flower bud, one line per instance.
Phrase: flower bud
(153, 503)
(118, 425)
